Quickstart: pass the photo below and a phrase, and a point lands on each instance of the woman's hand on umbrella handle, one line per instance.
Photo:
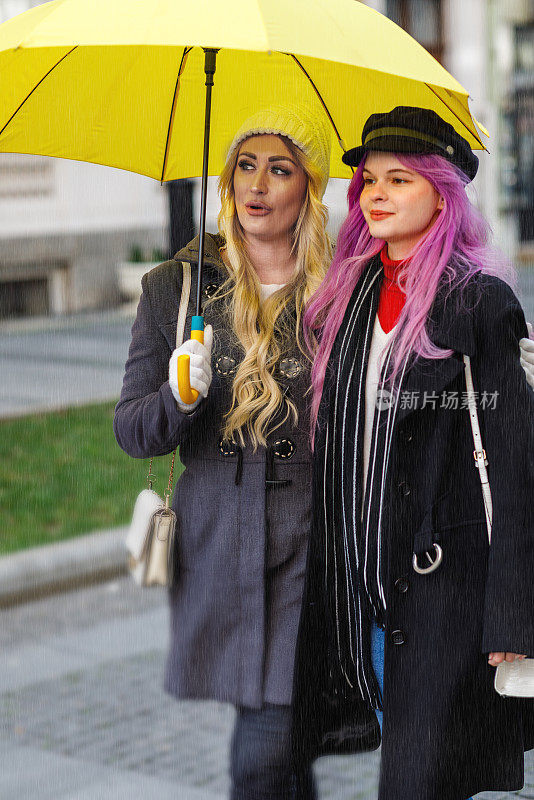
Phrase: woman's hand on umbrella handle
(494, 659)
(196, 357)
(527, 356)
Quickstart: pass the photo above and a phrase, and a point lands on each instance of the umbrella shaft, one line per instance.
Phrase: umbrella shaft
(209, 69)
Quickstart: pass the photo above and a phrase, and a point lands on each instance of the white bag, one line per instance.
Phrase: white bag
(516, 678)
(150, 538)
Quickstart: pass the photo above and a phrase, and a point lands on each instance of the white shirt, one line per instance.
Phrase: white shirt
(267, 289)
(379, 342)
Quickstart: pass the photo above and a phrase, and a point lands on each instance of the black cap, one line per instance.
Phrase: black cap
(408, 129)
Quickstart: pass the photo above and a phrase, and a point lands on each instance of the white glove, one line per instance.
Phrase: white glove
(527, 356)
(199, 369)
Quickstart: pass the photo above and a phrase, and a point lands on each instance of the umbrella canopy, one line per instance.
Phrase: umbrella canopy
(121, 83)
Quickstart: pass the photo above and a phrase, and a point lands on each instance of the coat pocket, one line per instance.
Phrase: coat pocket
(448, 524)
(451, 511)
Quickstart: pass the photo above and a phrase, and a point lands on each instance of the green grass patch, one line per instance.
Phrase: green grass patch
(62, 474)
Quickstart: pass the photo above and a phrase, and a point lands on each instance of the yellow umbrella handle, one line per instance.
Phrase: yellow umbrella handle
(188, 394)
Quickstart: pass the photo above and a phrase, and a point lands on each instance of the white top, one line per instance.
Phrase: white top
(379, 342)
(267, 289)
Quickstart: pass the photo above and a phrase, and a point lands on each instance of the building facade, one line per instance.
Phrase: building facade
(488, 45)
(65, 226)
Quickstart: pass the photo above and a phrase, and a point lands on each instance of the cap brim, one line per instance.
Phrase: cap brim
(353, 157)
(390, 144)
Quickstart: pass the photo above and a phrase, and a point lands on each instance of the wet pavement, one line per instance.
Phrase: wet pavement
(83, 715)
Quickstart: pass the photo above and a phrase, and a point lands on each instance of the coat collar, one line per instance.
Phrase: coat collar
(451, 320)
(450, 327)
(212, 245)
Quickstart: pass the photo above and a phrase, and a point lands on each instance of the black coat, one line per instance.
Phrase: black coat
(446, 734)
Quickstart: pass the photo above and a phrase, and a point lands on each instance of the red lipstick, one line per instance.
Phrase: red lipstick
(378, 215)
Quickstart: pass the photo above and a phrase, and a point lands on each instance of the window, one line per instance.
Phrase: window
(422, 20)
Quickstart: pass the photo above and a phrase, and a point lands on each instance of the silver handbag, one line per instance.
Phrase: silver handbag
(151, 536)
(516, 678)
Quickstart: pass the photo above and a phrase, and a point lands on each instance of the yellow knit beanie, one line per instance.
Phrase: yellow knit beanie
(306, 128)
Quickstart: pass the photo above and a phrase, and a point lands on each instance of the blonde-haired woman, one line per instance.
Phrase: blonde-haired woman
(243, 500)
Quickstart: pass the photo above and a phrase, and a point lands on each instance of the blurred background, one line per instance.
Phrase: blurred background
(82, 709)
(67, 230)
(75, 239)
(81, 703)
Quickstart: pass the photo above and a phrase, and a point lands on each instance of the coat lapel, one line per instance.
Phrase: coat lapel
(450, 327)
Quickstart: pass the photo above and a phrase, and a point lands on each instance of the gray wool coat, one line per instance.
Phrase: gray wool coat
(243, 517)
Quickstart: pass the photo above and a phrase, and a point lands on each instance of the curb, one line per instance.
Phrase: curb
(62, 322)
(56, 567)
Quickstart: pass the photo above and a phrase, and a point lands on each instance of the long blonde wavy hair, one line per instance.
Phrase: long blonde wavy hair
(268, 330)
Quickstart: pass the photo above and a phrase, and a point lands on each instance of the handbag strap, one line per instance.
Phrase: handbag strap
(184, 302)
(180, 330)
(479, 453)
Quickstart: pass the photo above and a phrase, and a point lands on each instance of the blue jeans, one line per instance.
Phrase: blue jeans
(377, 658)
(261, 766)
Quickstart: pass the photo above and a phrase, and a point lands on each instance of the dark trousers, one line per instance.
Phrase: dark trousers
(261, 767)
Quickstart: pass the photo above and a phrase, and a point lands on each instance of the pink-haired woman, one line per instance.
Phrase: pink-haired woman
(407, 609)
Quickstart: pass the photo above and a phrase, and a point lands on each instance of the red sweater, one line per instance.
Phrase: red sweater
(392, 298)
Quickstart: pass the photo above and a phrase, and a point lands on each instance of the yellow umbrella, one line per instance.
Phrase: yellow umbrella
(121, 82)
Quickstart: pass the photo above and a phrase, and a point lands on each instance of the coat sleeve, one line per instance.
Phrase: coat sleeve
(147, 419)
(507, 425)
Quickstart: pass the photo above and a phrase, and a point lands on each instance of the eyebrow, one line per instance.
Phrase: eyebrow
(397, 169)
(270, 159)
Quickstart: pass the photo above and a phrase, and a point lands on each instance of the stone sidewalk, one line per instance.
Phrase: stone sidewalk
(51, 363)
(83, 715)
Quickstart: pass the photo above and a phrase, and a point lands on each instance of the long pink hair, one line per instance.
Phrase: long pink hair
(456, 247)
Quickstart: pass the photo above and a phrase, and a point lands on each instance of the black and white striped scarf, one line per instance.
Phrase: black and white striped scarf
(354, 551)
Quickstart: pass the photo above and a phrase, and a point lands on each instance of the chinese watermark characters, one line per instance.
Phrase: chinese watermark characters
(451, 401)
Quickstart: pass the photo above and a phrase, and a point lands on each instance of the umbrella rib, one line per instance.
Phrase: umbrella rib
(457, 117)
(173, 109)
(318, 93)
(35, 87)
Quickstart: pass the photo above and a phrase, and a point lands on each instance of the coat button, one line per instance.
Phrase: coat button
(404, 489)
(398, 637)
(402, 585)
(407, 436)
(210, 289)
(289, 367)
(227, 448)
(284, 448)
(224, 365)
